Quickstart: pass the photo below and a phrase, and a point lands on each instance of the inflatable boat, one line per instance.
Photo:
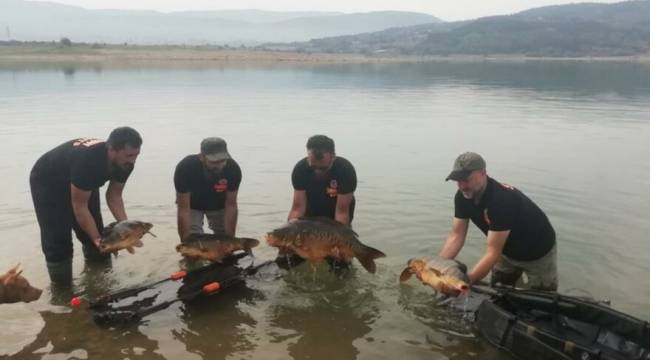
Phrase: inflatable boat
(544, 325)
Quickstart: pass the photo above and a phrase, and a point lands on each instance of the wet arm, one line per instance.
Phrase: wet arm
(343, 203)
(114, 200)
(456, 239)
(231, 211)
(495, 242)
(183, 214)
(82, 214)
(299, 205)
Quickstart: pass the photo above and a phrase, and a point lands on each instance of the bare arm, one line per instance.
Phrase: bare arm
(230, 213)
(114, 200)
(495, 242)
(82, 214)
(456, 238)
(343, 203)
(299, 205)
(183, 214)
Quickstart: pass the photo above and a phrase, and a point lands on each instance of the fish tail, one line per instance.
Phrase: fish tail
(366, 256)
(248, 244)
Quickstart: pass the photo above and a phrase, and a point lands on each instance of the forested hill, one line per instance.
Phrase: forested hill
(585, 29)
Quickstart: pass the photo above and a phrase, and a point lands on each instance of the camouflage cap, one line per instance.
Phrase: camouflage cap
(464, 165)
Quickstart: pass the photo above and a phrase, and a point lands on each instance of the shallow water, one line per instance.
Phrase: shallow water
(572, 136)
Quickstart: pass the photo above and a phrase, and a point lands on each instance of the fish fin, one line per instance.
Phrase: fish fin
(108, 228)
(138, 243)
(14, 269)
(114, 254)
(130, 250)
(249, 242)
(366, 256)
(405, 275)
(435, 271)
(152, 234)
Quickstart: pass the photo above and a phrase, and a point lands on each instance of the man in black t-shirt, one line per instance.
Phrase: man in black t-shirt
(65, 186)
(323, 183)
(520, 238)
(206, 186)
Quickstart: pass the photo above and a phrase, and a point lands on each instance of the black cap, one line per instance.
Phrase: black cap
(214, 149)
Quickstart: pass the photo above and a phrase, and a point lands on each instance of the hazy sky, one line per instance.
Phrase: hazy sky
(444, 9)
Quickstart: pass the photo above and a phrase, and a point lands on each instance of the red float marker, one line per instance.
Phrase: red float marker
(75, 302)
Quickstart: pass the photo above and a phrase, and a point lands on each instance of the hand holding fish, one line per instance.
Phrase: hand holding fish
(125, 234)
(443, 275)
(214, 247)
(318, 238)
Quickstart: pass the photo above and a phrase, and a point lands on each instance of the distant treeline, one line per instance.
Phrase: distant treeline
(67, 43)
(567, 30)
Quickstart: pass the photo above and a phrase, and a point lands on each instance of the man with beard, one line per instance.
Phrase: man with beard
(65, 186)
(206, 186)
(324, 185)
(520, 238)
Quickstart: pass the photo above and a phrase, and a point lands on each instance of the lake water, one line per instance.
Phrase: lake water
(575, 137)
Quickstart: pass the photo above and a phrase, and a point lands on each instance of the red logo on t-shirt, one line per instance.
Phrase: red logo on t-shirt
(332, 190)
(221, 186)
(486, 217)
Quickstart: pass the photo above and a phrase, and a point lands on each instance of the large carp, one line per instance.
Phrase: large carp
(315, 239)
(213, 247)
(443, 275)
(124, 234)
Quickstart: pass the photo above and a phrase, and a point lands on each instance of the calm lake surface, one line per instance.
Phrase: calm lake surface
(575, 137)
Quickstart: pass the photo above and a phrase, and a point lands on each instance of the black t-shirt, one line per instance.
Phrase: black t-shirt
(207, 193)
(322, 193)
(502, 208)
(82, 162)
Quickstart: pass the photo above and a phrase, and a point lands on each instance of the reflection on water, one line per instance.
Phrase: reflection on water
(580, 77)
(320, 315)
(230, 329)
(434, 311)
(72, 334)
(571, 135)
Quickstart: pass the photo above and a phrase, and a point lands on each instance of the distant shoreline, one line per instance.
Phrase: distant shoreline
(204, 56)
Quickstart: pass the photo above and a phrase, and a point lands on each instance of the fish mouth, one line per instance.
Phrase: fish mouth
(406, 274)
(147, 229)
